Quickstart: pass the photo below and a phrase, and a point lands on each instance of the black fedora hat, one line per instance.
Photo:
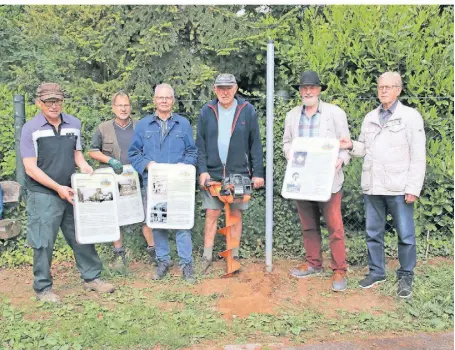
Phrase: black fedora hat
(310, 78)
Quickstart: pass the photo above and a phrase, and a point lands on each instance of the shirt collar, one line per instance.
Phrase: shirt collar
(391, 108)
(43, 121)
(158, 119)
(318, 110)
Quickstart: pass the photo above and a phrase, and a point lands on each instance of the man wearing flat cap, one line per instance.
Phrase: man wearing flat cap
(51, 147)
(315, 118)
(228, 142)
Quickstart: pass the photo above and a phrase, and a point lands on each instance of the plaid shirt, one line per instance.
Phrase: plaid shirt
(384, 114)
(309, 127)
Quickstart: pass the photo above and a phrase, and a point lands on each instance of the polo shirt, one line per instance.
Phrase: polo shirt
(53, 149)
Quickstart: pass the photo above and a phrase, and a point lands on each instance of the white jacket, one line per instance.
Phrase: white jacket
(395, 154)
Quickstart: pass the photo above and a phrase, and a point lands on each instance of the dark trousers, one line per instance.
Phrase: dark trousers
(46, 214)
(310, 215)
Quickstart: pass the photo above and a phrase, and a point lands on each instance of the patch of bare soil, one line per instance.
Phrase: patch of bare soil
(256, 291)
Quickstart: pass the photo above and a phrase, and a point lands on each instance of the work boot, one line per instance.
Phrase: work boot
(152, 255)
(188, 273)
(405, 287)
(99, 286)
(205, 265)
(119, 261)
(48, 296)
(339, 282)
(305, 270)
(161, 270)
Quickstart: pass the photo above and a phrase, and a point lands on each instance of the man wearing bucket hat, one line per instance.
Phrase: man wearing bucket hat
(228, 142)
(315, 118)
(51, 147)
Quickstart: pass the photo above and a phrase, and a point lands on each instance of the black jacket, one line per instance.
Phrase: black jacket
(245, 154)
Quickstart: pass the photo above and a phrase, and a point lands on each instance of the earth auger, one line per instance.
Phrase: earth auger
(233, 189)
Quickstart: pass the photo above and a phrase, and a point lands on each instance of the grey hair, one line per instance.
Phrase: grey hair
(120, 93)
(162, 86)
(395, 75)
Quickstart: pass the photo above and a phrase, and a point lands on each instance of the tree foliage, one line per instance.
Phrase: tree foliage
(94, 51)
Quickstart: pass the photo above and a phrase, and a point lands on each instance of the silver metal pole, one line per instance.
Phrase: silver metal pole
(269, 158)
(19, 121)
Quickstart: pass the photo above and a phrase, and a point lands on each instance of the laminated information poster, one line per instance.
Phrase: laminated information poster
(171, 196)
(129, 205)
(95, 208)
(311, 169)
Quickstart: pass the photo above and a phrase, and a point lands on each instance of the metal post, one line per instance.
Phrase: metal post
(19, 120)
(269, 158)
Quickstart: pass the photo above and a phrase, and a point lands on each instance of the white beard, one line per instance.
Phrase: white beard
(310, 101)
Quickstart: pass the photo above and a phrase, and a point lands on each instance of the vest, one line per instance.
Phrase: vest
(110, 145)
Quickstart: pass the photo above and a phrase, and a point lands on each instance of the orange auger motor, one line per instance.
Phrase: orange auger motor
(233, 189)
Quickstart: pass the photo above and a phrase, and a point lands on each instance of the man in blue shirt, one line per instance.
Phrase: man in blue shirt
(165, 137)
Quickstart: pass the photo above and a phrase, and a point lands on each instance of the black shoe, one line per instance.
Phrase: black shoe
(405, 287)
(152, 255)
(161, 270)
(370, 281)
(188, 273)
(205, 265)
(119, 260)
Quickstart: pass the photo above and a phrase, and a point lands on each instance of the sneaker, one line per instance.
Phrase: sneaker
(188, 273)
(152, 255)
(119, 261)
(98, 285)
(161, 270)
(205, 265)
(370, 281)
(48, 296)
(305, 270)
(339, 281)
(405, 287)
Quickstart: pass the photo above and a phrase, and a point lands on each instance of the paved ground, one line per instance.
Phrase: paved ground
(422, 341)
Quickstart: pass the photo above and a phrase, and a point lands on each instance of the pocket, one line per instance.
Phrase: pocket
(151, 141)
(34, 231)
(395, 177)
(108, 147)
(397, 135)
(177, 142)
(365, 182)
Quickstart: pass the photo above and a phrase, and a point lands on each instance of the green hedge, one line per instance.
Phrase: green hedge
(134, 47)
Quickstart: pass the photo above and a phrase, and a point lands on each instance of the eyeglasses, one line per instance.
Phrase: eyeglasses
(122, 106)
(386, 87)
(164, 98)
(50, 103)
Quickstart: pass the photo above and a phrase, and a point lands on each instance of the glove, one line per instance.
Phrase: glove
(116, 165)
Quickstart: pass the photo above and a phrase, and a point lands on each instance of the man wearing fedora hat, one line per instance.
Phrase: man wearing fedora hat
(51, 148)
(315, 118)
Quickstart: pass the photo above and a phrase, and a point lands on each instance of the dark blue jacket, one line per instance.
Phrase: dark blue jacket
(245, 154)
(177, 145)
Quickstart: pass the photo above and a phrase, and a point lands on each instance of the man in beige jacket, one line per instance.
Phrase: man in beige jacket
(315, 118)
(392, 142)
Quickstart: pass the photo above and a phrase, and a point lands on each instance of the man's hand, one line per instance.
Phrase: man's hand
(86, 169)
(203, 178)
(345, 143)
(410, 198)
(66, 193)
(258, 182)
(116, 165)
(339, 164)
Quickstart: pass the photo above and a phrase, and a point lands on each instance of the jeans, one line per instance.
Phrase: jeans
(376, 208)
(184, 245)
(310, 215)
